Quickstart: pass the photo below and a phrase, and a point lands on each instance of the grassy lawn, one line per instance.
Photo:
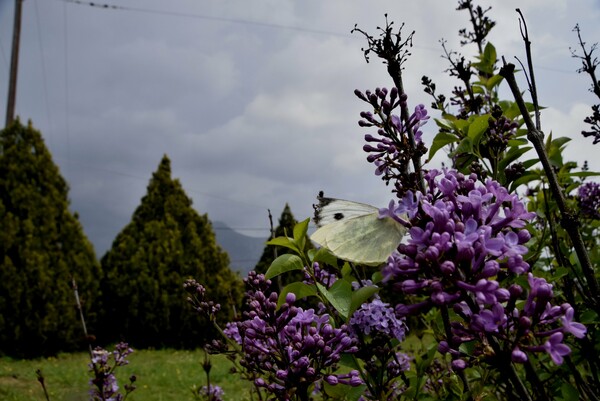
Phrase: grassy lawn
(165, 375)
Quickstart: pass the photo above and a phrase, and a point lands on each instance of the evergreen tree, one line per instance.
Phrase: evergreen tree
(42, 248)
(166, 242)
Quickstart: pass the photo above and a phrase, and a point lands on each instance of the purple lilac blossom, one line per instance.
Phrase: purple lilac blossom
(388, 150)
(212, 393)
(378, 317)
(104, 386)
(464, 236)
(589, 199)
(289, 348)
(197, 298)
(321, 274)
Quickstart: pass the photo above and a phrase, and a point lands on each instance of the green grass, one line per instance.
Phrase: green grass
(164, 375)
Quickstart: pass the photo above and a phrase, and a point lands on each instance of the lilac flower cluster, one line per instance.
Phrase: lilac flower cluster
(589, 200)
(391, 150)
(319, 274)
(104, 386)
(289, 348)
(466, 242)
(500, 131)
(197, 298)
(211, 393)
(379, 332)
(377, 317)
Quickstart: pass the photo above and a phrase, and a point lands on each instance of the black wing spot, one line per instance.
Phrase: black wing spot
(338, 216)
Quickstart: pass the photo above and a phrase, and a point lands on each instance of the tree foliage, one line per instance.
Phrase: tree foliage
(166, 242)
(42, 248)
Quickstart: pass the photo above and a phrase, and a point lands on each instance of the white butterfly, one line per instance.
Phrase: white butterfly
(354, 232)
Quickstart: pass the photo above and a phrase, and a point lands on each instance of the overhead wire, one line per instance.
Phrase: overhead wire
(145, 179)
(4, 59)
(43, 64)
(106, 6)
(66, 45)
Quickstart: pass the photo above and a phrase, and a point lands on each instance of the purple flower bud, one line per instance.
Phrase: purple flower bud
(525, 322)
(518, 356)
(515, 290)
(443, 347)
(447, 267)
(524, 236)
(331, 379)
(459, 364)
(290, 298)
(360, 95)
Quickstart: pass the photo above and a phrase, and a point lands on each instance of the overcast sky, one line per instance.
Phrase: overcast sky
(252, 100)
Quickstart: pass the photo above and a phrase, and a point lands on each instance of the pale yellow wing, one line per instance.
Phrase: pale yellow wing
(363, 239)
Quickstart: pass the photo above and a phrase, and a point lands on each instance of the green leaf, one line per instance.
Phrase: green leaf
(487, 60)
(344, 391)
(465, 146)
(284, 263)
(561, 141)
(377, 277)
(445, 123)
(512, 155)
(441, 139)
(301, 290)
(478, 89)
(512, 111)
(528, 177)
(324, 256)
(477, 127)
(300, 230)
(584, 174)
(339, 296)
(530, 163)
(588, 317)
(517, 142)
(569, 392)
(494, 81)
(360, 296)
(285, 242)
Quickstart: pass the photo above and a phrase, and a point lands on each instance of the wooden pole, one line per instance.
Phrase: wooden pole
(14, 64)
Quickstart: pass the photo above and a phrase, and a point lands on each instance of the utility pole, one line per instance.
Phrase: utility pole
(14, 64)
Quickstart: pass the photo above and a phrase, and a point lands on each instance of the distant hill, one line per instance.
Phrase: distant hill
(244, 251)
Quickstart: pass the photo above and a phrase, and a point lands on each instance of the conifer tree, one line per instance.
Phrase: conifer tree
(166, 242)
(42, 248)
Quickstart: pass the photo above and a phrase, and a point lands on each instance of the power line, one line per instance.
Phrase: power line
(208, 18)
(66, 43)
(43, 63)
(241, 21)
(145, 179)
(4, 59)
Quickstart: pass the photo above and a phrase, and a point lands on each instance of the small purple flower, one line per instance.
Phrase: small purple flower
(577, 329)
(490, 320)
(214, 393)
(556, 348)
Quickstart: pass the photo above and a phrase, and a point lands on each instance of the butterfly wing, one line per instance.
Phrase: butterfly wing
(354, 232)
(331, 210)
